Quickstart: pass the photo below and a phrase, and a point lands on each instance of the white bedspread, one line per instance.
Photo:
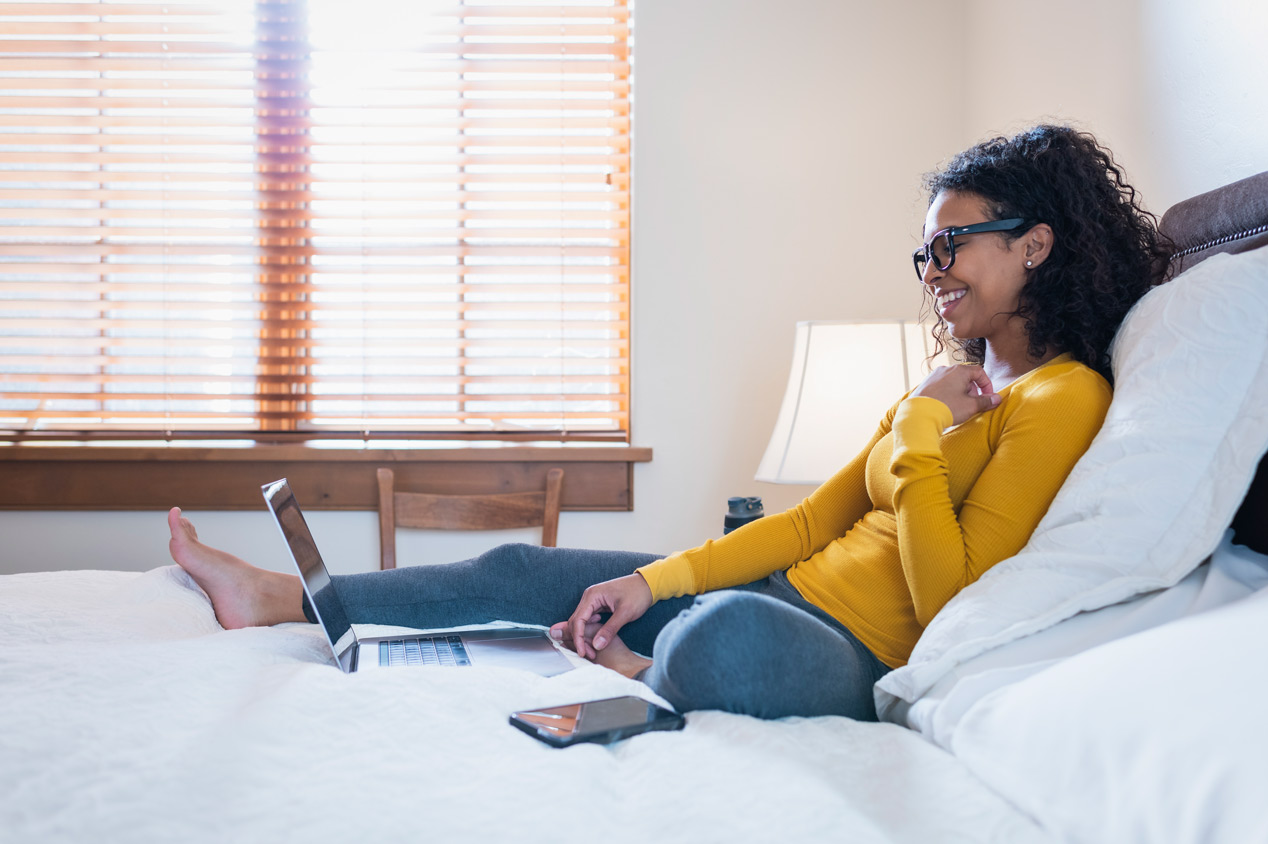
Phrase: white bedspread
(130, 715)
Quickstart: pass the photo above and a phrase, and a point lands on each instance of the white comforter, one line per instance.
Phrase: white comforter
(130, 715)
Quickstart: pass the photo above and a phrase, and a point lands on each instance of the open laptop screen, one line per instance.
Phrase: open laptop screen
(321, 594)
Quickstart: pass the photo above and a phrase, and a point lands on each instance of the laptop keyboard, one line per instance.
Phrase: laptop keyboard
(425, 650)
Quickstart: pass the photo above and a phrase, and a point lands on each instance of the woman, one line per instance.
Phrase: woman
(1035, 248)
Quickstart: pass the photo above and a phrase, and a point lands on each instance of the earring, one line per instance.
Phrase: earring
(1030, 263)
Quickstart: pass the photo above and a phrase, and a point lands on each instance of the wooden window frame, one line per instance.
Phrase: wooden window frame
(139, 478)
(86, 470)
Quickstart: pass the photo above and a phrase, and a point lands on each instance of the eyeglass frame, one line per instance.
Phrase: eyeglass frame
(924, 254)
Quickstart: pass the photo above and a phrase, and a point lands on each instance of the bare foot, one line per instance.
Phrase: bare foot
(241, 594)
(617, 656)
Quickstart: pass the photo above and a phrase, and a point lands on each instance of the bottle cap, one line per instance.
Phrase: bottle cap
(744, 506)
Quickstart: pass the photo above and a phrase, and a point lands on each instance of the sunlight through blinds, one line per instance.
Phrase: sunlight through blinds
(314, 219)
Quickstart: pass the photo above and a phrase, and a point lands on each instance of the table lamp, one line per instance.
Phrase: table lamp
(844, 377)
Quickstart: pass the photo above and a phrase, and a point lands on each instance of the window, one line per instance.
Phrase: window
(285, 221)
(314, 219)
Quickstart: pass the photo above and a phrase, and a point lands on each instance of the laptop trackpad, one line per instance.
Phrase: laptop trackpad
(530, 653)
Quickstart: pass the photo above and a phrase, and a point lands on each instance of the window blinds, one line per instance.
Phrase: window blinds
(314, 219)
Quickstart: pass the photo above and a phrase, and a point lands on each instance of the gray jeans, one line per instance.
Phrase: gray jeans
(760, 649)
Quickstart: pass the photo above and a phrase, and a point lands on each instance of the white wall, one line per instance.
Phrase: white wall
(1203, 110)
(777, 156)
(1076, 62)
(1173, 87)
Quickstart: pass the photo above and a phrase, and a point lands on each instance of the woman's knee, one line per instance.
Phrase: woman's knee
(704, 658)
(753, 654)
(512, 554)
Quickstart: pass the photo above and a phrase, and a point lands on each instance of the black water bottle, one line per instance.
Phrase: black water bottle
(741, 510)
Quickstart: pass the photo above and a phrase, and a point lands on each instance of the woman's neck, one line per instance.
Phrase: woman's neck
(1004, 366)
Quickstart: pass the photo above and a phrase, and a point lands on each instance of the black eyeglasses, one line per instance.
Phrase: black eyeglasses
(940, 250)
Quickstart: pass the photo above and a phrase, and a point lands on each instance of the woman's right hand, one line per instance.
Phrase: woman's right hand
(626, 598)
(966, 389)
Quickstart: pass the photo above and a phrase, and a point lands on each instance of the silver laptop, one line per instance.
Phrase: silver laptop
(514, 647)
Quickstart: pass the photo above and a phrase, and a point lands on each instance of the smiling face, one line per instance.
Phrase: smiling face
(979, 291)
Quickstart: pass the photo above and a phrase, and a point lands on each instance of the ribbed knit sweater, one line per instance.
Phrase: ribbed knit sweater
(919, 514)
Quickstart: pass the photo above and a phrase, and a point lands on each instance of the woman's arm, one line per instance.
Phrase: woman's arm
(1045, 431)
(775, 542)
(750, 553)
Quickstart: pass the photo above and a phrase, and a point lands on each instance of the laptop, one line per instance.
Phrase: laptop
(511, 647)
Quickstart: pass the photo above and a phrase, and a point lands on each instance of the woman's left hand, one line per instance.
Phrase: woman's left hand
(965, 389)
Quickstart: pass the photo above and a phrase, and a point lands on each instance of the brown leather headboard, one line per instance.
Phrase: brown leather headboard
(1233, 218)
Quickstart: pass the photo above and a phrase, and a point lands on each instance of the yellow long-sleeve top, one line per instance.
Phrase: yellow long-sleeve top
(918, 515)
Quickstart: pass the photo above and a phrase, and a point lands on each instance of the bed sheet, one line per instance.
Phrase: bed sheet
(130, 715)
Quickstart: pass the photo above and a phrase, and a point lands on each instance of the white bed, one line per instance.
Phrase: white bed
(130, 715)
(1100, 686)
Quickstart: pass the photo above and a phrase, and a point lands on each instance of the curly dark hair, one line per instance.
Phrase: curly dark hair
(1107, 251)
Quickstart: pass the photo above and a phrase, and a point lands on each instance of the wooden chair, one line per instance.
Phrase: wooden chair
(464, 512)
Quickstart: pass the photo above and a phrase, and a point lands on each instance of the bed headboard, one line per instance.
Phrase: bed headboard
(1233, 218)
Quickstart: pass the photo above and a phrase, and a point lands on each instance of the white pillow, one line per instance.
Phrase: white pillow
(1156, 489)
(1160, 736)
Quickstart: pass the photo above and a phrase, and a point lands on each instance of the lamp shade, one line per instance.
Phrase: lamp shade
(844, 377)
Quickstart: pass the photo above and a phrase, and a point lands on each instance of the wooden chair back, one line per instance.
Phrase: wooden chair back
(497, 511)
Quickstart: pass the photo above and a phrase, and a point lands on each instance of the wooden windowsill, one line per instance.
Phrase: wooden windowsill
(207, 478)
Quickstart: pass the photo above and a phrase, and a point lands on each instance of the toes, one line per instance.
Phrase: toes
(181, 527)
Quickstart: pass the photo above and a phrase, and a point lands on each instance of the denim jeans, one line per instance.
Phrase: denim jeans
(760, 649)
